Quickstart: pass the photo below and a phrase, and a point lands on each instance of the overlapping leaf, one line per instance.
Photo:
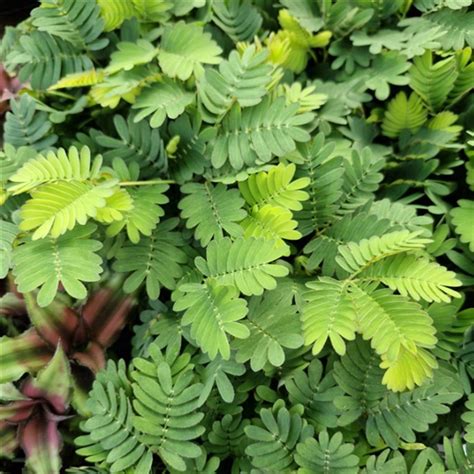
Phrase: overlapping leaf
(243, 263)
(69, 260)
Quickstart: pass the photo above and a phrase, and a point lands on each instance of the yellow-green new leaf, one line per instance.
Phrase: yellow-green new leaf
(408, 370)
(275, 187)
(115, 207)
(79, 79)
(145, 214)
(61, 165)
(414, 276)
(115, 12)
(403, 114)
(392, 322)
(57, 207)
(271, 223)
(356, 256)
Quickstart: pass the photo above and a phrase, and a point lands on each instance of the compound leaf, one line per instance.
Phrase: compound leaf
(213, 312)
(243, 263)
(212, 210)
(274, 440)
(155, 260)
(184, 47)
(273, 325)
(162, 99)
(275, 187)
(69, 260)
(326, 455)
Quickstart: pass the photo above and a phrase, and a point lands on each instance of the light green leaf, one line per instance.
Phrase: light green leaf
(184, 47)
(69, 260)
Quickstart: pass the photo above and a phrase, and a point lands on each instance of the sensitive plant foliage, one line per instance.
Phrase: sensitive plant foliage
(236, 236)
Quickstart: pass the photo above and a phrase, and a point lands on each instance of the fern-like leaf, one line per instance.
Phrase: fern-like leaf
(385, 462)
(258, 133)
(124, 85)
(156, 260)
(212, 210)
(403, 114)
(12, 159)
(111, 437)
(76, 22)
(397, 416)
(361, 179)
(184, 47)
(159, 11)
(115, 12)
(316, 393)
(273, 325)
(328, 455)
(24, 125)
(392, 322)
(408, 370)
(273, 444)
(227, 436)
(190, 153)
(57, 207)
(358, 374)
(351, 228)
(457, 26)
(213, 312)
(145, 214)
(69, 260)
(136, 143)
(8, 233)
(324, 169)
(44, 59)
(433, 81)
(242, 79)
(166, 406)
(458, 455)
(219, 372)
(462, 221)
(328, 314)
(116, 206)
(239, 19)
(417, 277)
(355, 257)
(275, 187)
(129, 55)
(243, 263)
(404, 216)
(161, 100)
(271, 223)
(468, 418)
(53, 166)
(465, 78)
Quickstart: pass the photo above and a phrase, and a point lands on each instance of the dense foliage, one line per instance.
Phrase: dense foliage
(237, 236)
